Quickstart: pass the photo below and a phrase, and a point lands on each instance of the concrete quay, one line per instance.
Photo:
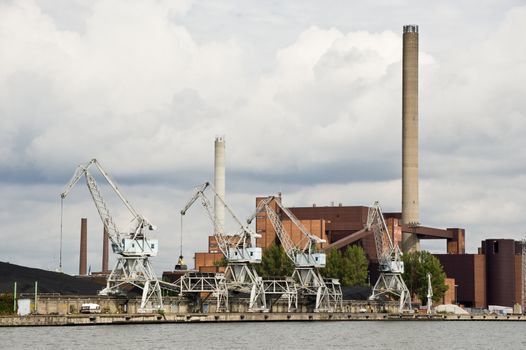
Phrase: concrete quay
(106, 319)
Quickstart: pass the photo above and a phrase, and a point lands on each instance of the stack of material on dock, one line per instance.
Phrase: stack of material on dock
(356, 292)
(451, 309)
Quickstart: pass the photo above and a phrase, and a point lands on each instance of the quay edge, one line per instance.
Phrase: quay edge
(114, 319)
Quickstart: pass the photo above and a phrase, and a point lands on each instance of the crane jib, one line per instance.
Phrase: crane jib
(236, 248)
(133, 243)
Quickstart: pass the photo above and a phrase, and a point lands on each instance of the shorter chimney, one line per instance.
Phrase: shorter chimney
(105, 239)
(219, 183)
(83, 260)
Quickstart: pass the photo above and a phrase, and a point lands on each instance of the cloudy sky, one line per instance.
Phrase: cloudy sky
(307, 94)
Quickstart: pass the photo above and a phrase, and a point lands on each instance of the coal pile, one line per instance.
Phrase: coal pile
(48, 281)
(356, 292)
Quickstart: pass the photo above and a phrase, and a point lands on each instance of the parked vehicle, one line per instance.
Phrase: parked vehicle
(90, 308)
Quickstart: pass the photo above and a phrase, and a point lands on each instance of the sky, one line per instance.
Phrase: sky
(306, 93)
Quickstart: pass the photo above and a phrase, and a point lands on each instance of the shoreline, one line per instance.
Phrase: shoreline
(155, 318)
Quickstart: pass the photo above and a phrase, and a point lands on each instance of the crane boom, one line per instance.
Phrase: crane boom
(304, 256)
(388, 254)
(301, 254)
(104, 213)
(234, 247)
(121, 243)
(198, 193)
(79, 172)
(240, 254)
(284, 238)
(83, 169)
(294, 219)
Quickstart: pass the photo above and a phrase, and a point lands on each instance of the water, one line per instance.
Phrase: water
(271, 336)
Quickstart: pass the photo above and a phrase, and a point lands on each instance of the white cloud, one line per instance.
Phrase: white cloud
(112, 87)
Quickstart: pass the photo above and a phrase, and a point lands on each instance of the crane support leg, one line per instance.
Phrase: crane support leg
(243, 278)
(281, 288)
(310, 282)
(138, 272)
(196, 283)
(335, 294)
(392, 284)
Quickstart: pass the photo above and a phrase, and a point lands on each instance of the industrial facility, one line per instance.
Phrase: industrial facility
(494, 276)
(224, 278)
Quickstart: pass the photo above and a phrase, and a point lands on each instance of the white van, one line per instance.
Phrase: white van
(90, 309)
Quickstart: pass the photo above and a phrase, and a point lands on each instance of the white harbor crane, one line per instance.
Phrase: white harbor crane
(391, 266)
(133, 246)
(239, 250)
(306, 258)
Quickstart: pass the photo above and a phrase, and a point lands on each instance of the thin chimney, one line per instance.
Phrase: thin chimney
(83, 259)
(219, 183)
(105, 239)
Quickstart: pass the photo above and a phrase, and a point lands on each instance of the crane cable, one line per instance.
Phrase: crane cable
(181, 261)
(181, 245)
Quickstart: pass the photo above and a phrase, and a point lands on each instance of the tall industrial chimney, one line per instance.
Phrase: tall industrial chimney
(410, 209)
(105, 239)
(219, 183)
(83, 258)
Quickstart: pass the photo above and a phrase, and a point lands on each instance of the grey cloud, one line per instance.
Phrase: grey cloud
(310, 106)
(67, 14)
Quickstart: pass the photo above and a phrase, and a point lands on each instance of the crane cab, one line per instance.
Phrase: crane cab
(147, 247)
(310, 259)
(319, 259)
(252, 255)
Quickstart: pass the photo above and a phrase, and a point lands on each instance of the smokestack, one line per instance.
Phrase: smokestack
(219, 183)
(410, 208)
(83, 260)
(105, 239)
